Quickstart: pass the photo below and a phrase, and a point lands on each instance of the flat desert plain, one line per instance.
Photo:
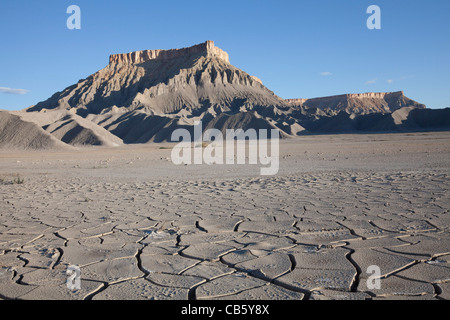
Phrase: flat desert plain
(346, 217)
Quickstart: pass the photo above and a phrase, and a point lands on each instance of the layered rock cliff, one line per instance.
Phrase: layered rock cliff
(136, 57)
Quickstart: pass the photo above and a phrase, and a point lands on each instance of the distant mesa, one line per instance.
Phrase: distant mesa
(360, 103)
(143, 96)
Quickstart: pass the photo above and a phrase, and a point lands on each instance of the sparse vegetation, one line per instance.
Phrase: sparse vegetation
(11, 179)
(201, 145)
(99, 167)
(18, 180)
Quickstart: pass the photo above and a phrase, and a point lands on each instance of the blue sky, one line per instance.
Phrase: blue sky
(299, 49)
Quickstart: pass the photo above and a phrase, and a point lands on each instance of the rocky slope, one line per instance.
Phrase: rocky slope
(143, 96)
(163, 82)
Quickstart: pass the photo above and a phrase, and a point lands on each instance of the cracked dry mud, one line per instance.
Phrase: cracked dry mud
(139, 227)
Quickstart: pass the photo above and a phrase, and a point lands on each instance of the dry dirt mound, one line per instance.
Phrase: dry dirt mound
(71, 128)
(16, 133)
(75, 130)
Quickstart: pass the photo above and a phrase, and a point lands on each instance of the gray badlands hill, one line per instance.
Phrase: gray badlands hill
(71, 128)
(144, 96)
(16, 133)
(74, 130)
(140, 127)
(161, 82)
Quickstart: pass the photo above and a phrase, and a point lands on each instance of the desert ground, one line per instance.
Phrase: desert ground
(139, 227)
